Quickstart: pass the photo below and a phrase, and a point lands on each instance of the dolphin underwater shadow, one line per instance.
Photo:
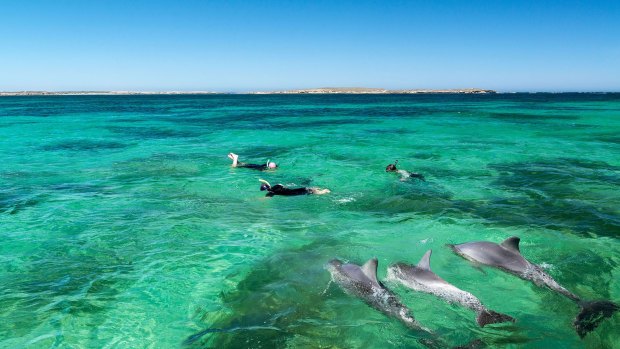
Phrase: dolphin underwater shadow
(507, 257)
(421, 278)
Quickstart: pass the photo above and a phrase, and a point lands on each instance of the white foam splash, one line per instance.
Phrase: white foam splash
(327, 287)
(546, 266)
(345, 200)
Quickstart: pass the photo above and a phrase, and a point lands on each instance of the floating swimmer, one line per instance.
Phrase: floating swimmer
(266, 166)
(404, 175)
(279, 189)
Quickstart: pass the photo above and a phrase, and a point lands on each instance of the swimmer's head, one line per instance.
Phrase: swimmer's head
(265, 185)
(391, 167)
(271, 164)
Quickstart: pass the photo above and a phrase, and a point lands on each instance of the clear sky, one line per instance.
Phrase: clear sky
(261, 45)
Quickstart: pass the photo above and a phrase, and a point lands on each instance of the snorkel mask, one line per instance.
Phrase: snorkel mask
(271, 164)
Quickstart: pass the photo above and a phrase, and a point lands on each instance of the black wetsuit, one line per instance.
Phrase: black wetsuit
(262, 167)
(279, 189)
(417, 175)
(410, 174)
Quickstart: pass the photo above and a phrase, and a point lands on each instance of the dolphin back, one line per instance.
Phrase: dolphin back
(591, 315)
(486, 317)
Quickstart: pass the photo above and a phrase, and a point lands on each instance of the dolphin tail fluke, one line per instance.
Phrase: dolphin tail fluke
(486, 317)
(591, 315)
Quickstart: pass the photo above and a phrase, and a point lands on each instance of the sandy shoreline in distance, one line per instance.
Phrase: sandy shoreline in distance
(325, 90)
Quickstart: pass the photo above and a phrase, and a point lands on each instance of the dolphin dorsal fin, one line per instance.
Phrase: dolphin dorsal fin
(425, 262)
(370, 269)
(512, 243)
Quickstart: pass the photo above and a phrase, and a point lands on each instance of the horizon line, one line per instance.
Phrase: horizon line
(342, 90)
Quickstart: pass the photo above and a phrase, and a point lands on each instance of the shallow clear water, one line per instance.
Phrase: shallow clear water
(123, 224)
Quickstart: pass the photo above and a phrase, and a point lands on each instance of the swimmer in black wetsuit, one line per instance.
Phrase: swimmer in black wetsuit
(403, 174)
(279, 189)
(266, 166)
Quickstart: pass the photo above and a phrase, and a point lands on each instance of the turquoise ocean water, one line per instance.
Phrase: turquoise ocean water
(122, 224)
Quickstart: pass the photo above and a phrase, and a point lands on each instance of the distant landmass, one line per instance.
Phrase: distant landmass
(102, 93)
(322, 90)
(364, 90)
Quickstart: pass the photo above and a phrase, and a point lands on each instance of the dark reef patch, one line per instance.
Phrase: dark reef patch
(156, 166)
(529, 117)
(613, 138)
(84, 145)
(262, 153)
(556, 214)
(67, 284)
(12, 201)
(319, 123)
(308, 116)
(413, 196)
(426, 156)
(83, 189)
(16, 198)
(549, 175)
(153, 132)
(546, 197)
(388, 131)
(268, 307)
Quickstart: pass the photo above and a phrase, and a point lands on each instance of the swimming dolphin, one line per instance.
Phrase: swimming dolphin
(421, 278)
(506, 256)
(362, 282)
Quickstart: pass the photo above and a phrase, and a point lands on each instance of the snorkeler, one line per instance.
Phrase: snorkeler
(279, 189)
(266, 166)
(403, 174)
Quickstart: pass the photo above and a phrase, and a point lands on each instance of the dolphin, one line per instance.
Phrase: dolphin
(362, 282)
(421, 278)
(507, 256)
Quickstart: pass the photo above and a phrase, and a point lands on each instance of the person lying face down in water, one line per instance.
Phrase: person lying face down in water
(404, 175)
(266, 166)
(279, 189)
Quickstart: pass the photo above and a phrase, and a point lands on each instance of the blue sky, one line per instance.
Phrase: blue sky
(263, 45)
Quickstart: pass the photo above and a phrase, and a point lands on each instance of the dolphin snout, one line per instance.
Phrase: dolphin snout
(333, 264)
